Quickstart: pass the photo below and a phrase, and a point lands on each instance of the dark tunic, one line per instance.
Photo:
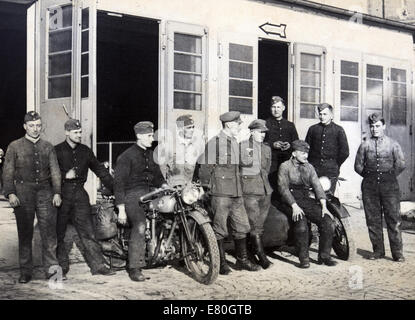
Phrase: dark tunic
(280, 130)
(135, 168)
(81, 158)
(328, 148)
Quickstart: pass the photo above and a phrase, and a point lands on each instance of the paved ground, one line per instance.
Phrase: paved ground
(357, 279)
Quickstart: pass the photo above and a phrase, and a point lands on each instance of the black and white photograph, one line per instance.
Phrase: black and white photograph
(221, 152)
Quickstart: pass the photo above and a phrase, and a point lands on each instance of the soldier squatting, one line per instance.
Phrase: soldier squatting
(243, 179)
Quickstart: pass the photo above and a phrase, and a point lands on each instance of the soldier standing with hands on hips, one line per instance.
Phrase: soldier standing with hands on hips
(379, 160)
(74, 160)
(135, 173)
(328, 145)
(32, 183)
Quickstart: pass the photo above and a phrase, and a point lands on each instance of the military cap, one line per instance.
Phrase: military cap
(184, 120)
(276, 99)
(258, 124)
(375, 117)
(143, 127)
(72, 124)
(323, 106)
(231, 116)
(300, 145)
(31, 116)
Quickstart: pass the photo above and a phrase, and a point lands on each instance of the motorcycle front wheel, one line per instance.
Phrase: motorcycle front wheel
(343, 243)
(203, 261)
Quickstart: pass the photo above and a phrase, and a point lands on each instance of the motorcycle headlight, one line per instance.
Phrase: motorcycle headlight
(325, 183)
(190, 194)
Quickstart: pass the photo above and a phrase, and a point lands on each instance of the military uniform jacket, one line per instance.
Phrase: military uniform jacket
(255, 167)
(219, 166)
(31, 162)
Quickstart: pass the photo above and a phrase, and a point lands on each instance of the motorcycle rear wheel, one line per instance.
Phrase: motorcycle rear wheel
(203, 264)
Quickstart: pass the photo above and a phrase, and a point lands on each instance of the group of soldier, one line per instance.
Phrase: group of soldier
(243, 179)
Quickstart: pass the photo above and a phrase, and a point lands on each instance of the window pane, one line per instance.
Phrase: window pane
(399, 89)
(60, 41)
(240, 52)
(84, 87)
(59, 87)
(349, 68)
(60, 17)
(374, 102)
(85, 64)
(188, 101)
(187, 43)
(85, 18)
(398, 111)
(60, 64)
(350, 99)
(308, 111)
(349, 114)
(310, 95)
(184, 62)
(375, 72)
(85, 41)
(374, 87)
(240, 88)
(349, 83)
(240, 70)
(398, 75)
(310, 78)
(310, 61)
(241, 105)
(188, 82)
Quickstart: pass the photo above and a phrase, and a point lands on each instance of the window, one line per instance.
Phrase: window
(188, 65)
(85, 53)
(398, 97)
(374, 89)
(59, 69)
(349, 91)
(241, 77)
(310, 84)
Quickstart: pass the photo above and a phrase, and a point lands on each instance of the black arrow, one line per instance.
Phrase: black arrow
(276, 29)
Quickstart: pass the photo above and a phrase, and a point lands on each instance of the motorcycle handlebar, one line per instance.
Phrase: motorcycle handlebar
(149, 195)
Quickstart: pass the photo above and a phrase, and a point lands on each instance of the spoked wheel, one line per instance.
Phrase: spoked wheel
(203, 261)
(343, 243)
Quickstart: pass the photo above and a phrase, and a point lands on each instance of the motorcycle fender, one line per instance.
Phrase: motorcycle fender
(338, 210)
(199, 217)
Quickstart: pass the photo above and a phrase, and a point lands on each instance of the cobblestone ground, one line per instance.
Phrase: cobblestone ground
(357, 279)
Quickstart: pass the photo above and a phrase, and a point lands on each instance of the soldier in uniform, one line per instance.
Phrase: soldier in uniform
(328, 145)
(295, 178)
(281, 133)
(178, 157)
(379, 160)
(135, 173)
(256, 189)
(219, 172)
(32, 183)
(74, 160)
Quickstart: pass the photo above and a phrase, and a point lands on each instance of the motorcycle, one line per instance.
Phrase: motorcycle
(277, 226)
(177, 228)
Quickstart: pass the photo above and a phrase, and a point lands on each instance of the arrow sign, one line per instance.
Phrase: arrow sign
(276, 29)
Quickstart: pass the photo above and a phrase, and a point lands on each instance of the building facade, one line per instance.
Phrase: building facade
(114, 63)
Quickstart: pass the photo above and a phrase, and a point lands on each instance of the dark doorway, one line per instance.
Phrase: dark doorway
(12, 71)
(272, 75)
(127, 78)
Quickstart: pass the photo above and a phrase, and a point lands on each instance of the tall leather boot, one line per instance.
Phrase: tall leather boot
(242, 261)
(224, 267)
(259, 251)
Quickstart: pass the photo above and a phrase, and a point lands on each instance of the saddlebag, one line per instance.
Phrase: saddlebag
(105, 221)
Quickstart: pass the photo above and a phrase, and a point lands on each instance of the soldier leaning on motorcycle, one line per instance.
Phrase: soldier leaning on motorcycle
(236, 199)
